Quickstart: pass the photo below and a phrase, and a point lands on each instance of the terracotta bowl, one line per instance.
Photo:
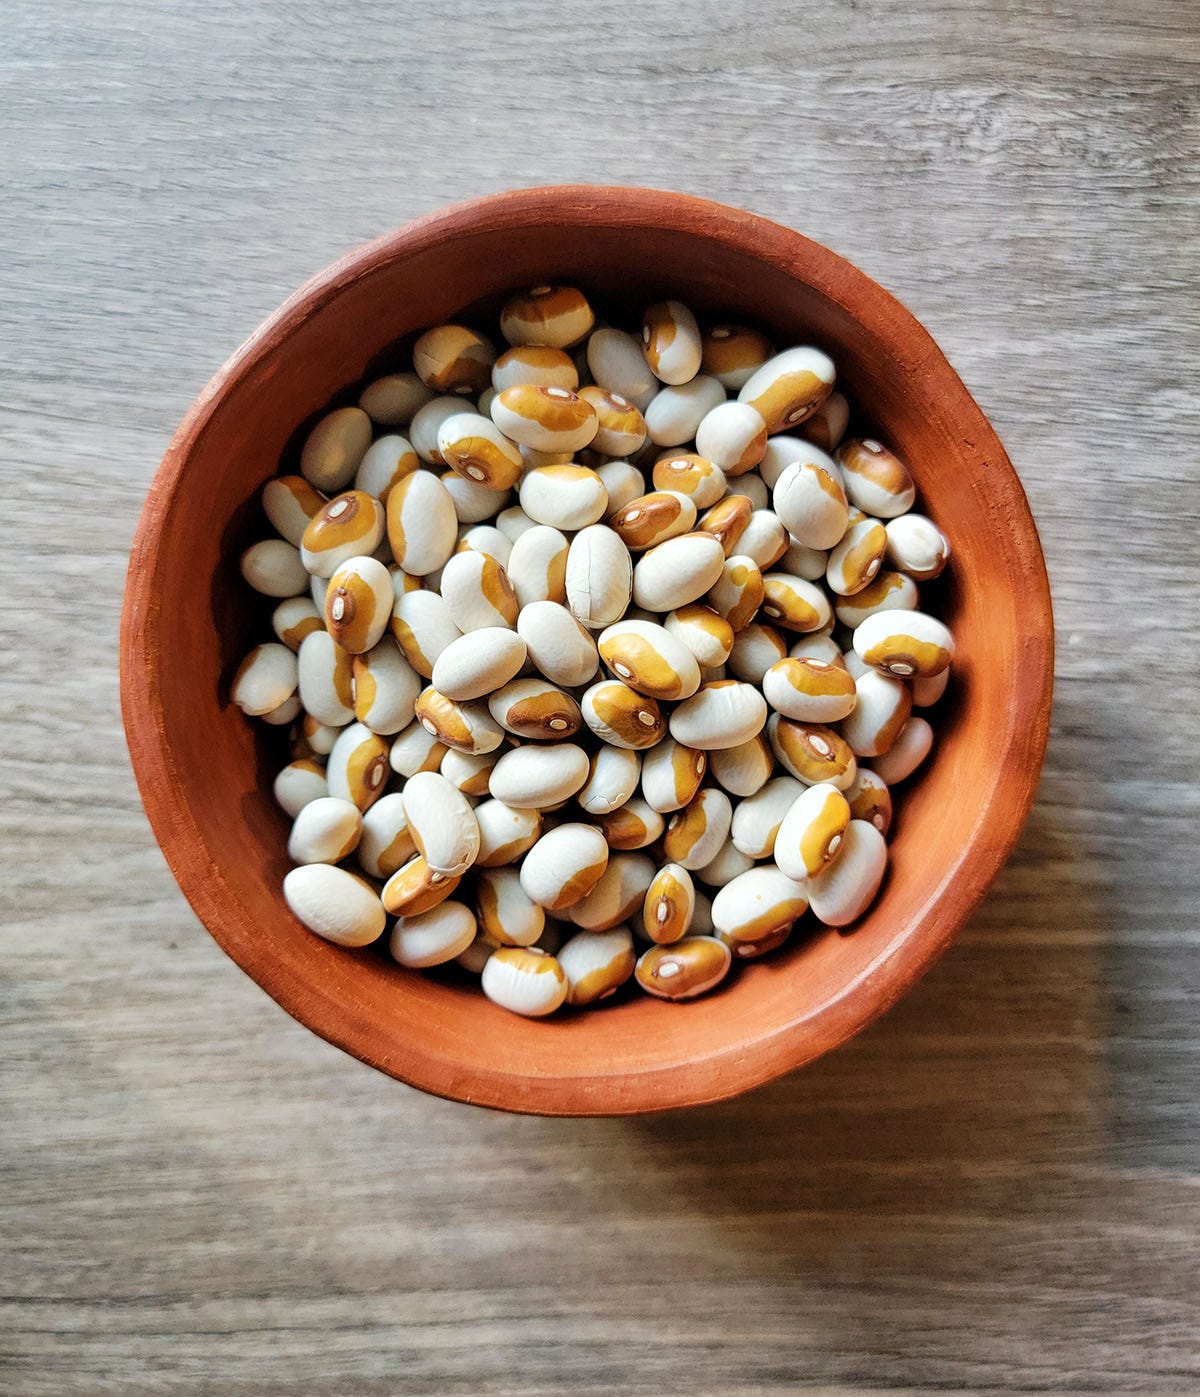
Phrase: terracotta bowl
(205, 772)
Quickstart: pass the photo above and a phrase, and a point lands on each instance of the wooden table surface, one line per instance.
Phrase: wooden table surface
(994, 1189)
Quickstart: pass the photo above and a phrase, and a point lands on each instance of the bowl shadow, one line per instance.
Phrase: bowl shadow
(981, 1077)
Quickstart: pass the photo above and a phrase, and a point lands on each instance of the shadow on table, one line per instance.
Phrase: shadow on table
(986, 1074)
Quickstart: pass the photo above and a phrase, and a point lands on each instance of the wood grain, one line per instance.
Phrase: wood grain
(994, 1189)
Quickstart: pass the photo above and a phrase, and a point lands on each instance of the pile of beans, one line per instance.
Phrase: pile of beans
(590, 654)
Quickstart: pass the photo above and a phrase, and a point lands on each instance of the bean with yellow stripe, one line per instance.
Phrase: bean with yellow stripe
(732, 353)
(794, 604)
(812, 752)
(812, 831)
(755, 912)
(618, 894)
(525, 980)
(385, 688)
(537, 565)
(620, 715)
(474, 447)
(558, 316)
(454, 359)
(358, 604)
(477, 592)
(291, 503)
(620, 426)
(325, 677)
(876, 479)
(563, 496)
(669, 905)
(809, 689)
(564, 866)
(506, 914)
(415, 888)
(469, 727)
(906, 644)
(649, 659)
(386, 463)
(684, 969)
(757, 819)
(596, 964)
(671, 341)
(386, 844)
(422, 525)
(671, 775)
(733, 436)
(350, 525)
(790, 387)
(536, 710)
(358, 769)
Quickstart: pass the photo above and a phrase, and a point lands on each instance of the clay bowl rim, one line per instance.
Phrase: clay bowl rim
(969, 875)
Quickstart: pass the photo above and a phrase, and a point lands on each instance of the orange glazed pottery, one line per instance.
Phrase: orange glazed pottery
(205, 771)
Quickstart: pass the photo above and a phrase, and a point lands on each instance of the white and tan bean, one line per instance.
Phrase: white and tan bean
(710, 562)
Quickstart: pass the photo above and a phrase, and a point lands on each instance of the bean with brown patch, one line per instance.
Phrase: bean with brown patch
(649, 659)
(790, 387)
(732, 353)
(358, 604)
(535, 709)
(541, 364)
(876, 479)
(904, 644)
(795, 604)
(423, 628)
(385, 464)
(733, 436)
(454, 359)
(422, 525)
(755, 912)
(537, 565)
(325, 679)
(727, 521)
(385, 688)
(811, 690)
(812, 831)
(469, 727)
(652, 519)
(621, 716)
(696, 833)
(596, 964)
(618, 894)
(671, 341)
(290, 503)
(563, 496)
(669, 905)
(475, 448)
(882, 707)
(633, 826)
(857, 558)
(812, 752)
(358, 769)
(738, 592)
(477, 592)
(687, 473)
(684, 969)
(671, 775)
(386, 844)
(564, 866)
(558, 316)
(417, 888)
